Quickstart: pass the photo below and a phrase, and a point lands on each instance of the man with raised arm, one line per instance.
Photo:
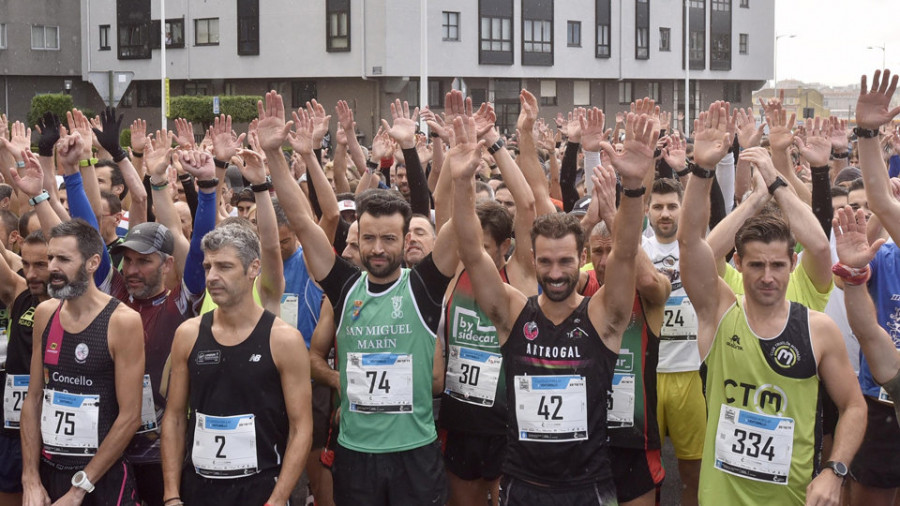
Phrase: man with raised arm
(765, 355)
(389, 359)
(559, 348)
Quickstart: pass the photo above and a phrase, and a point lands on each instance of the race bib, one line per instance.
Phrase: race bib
(754, 446)
(679, 320)
(13, 397)
(70, 423)
(551, 408)
(883, 396)
(380, 382)
(290, 303)
(472, 375)
(148, 408)
(620, 412)
(225, 446)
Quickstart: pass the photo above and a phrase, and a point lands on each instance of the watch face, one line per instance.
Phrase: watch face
(839, 468)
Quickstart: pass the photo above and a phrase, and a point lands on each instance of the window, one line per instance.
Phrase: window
(45, 38)
(537, 36)
(548, 92)
(104, 38)
(435, 94)
(745, 4)
(196, 88)
(732, 92)
(2, 35)
(642, 43)
(134, 30)
(248, 27)
(302, 92)
(697, 4)
(206, 32)
(174, 33)
(230, 89)
(603, 41)
(625, 88)
(665, 39)
(720, 55)
(337, 26)
(451, 25)
(573, 34)
(697, 49)
(653, 91)
(496, 34)
(581, 93)
(744, 46)
(721, 5)
(148, 94)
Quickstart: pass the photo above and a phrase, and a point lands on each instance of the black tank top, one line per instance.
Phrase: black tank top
(237, 380)
(18, 354)
(537, 347)
(85, 367)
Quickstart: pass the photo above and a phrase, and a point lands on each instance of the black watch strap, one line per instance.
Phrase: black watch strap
(634, 192)
(220, 164)
(778, 183)
(700, 171)
(865, 133)
(496, 146)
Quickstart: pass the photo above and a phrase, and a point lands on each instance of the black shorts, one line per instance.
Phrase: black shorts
(877, 462)
(829, 414)
(116, 487)
(474, 456)
(148, 479)
(515, 492)
(413, 477)
(635, 471)
(199, 491)
(321, 412)
(10, 464)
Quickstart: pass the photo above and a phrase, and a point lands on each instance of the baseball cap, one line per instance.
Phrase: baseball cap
(581, 206)
(148, 237)
(346, 205)
(848, 174)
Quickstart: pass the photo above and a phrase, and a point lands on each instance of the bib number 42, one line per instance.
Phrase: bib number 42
(547, 404)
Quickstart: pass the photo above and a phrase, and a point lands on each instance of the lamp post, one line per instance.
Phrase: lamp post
(883, 51)
(775, 67)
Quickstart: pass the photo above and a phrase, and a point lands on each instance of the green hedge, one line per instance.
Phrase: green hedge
(125, 137)
(199, 109)
(58, 103)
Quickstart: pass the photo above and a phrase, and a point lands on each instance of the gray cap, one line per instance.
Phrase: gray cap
(234, 177)
(148, 237)
(581, 206)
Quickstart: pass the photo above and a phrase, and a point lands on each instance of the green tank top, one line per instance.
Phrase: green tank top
(386, 354)
(763, 432)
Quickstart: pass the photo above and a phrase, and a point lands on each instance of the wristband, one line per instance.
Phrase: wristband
(683, 173)
(371, 166)
(220, 164)
(634, 192)
(839, 156)
(262, 187)
(700, 171)
(185, 178)
(40, 198)
(137, 154)
(121, 155)
(865, 133)
(88, 162)
(819, 170)
(208, 183)
(160, 186)
(433, 134)
(778, 183)
(496, 146)
(20, 164)
(852, 275)
(167, 501)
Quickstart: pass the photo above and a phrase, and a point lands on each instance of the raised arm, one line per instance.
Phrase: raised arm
(528, 159)
(345, 118)
(403, 131)
(156, 158)
(108, 137)
(780, 139)
(320, 189)
(29, 180)
(872, 112)
(840, 147)
(721, 237)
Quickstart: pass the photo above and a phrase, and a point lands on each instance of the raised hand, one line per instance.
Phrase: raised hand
(528, 112)
(4, 127)
(198, 164)
(29, 179)
(713, 135)
(636, 158)
(19, 141)
(271, 128)
(573, 126)
(665, 118)
(184, 133)
(224, 141)
(403, 129)
(320, 121)
(48, 127)
(157, 154)
(839, 141)
(816, 148)
(138, 136)
(78, 122)
(484, 120)
(748, 133)
(108, 136)
(760, 159)
(464, 155)
(423, 149)
(603, 194)
(849, 228)
(593, 132)
(561, 124)
(253, 169)
(872, 106)
(674, 152)
(436, 124)
(345, 117)
(69, 149)
(303, 139)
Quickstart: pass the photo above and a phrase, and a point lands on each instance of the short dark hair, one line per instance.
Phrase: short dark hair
(856, 184)
(379, 202)
(481, 187)
(766, 228)
(113, 201)
(426, 218)
(345, 196)
(87, 237)
(280, 216)
(36, 237)
(495, 220)
(5, 191)
(245, 195)
(23, 221)
(9, 220)
(839, 191)
(666, 185)
(115, 175)
(557, 226)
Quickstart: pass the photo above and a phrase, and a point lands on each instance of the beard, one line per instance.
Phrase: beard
(71, 289)
(561, 294)
(668, 233)
(150, 286)
(391, 265)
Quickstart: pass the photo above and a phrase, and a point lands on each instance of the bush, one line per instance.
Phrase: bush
(242, 108)
(125, 137)
(58, 103)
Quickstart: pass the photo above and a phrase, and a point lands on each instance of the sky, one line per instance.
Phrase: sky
(832, 37)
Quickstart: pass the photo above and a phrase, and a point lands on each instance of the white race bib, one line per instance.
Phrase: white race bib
(13, 397)
(754, 446)
(621, 406)
(472, 375)
(148, 408)
(380, 382)
(70, 423)
(225, 446)
(884, 397)
(679, 320)
(551, 408)
(290, 303)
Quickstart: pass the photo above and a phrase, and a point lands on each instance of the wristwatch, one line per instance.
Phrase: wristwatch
(80, 480)
(839, 468)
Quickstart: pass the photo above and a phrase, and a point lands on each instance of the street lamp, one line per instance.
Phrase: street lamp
(775, 67)
(883, 51)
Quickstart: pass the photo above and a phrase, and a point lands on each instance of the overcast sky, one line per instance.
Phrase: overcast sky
(832, 36)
